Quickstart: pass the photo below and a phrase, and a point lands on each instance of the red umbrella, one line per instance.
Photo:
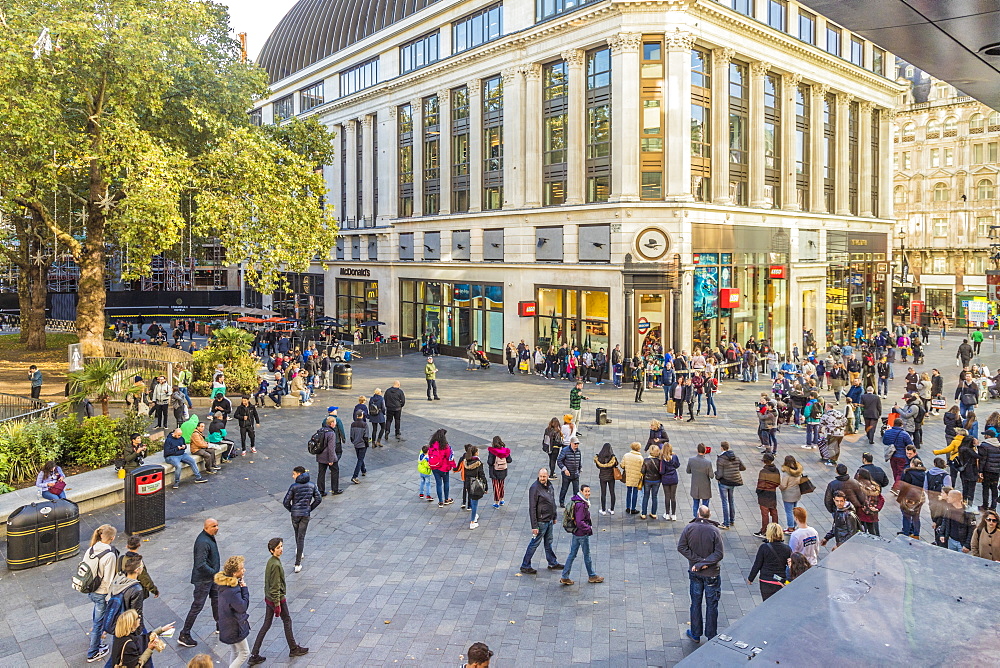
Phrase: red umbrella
(274, 320)
(250, 319)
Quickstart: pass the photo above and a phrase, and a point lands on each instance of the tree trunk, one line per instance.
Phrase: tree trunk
(24, 302)
(33, 319)
(92, 297)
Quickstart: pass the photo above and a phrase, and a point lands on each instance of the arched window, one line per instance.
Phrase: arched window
(941, 192)
(899, 195)
(977, 121)
(909, 129)
(994, 121)
(984, 189)
(950, 124)
(933, 125)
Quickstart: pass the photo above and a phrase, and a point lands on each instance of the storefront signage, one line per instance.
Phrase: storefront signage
(527, 309)
(643, 325)
(993, 284)
(776, 271)
(346, 271)
(729, 298)
(976, 311)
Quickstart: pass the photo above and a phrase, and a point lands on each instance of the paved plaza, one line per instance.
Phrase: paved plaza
(390, 580)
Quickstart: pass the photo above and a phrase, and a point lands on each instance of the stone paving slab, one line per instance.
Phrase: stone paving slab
(390, 580)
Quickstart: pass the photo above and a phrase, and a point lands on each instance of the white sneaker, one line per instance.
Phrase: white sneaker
(473, 525)
(673, 517)
(611, 512)
(298, 569)
(476, 521)
(603, 512)
(666, 516)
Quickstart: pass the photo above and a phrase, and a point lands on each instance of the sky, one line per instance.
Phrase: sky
(257, 18)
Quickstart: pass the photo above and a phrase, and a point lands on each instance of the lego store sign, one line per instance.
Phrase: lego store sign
(776, 271)
(729, 298)
(527, 309)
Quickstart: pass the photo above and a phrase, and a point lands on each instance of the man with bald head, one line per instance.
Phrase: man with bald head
(542, 514)
(206, 565)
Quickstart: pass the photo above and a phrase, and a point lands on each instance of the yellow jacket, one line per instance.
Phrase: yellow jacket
(952, 449)
(632, 463)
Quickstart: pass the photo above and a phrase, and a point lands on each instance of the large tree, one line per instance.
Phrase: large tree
(135, 111)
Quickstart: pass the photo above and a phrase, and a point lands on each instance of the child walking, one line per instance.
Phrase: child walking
(498, 459)
(426, 476)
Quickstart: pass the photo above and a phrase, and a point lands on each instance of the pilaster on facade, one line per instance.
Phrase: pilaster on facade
(444, 150)
(678, 126)
(475, 88)
(625, 129)
(351, 173)
(533, 136)
(476, 244)
(758, 71)
(865, 109)
(337, 177)
(789, 187)
(513, 137)
(571, 243)
(575, 145)
(844, 171)
(817, 194)
(720, 125)
(417, 114)
(885, 184)
(367, 164)
(388, 187)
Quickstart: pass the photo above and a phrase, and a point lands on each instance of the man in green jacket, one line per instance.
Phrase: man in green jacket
(430, 373)
(275, 604)
(575, 401)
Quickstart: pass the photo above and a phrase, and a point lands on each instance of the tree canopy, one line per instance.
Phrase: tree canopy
(136, 110)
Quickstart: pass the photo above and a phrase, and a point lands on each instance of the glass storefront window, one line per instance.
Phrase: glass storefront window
(357, 302)
(576, 317)
(456, 314)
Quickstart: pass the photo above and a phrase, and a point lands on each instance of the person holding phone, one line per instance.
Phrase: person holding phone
(51, 482)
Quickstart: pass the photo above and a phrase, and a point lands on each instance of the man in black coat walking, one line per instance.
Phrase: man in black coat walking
(247, 417)
(300, 500)
(394, 402)
(871, 410)
(206, 564)
(333, 450)
(541, 515)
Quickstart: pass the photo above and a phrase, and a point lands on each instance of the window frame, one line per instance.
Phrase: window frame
(427, 46)
(466, 24)
(309, 93)
(359, 77)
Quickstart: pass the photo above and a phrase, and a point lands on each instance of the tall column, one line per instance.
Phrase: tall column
(720, 125)
(368, 192)
(533, 136)
(758, 71)
(865, 158)
(513, 137)
(789, 195)
(337, 176)
(885, 184)
(576, 164)
(351, 173)
(475, 145)
(388, 160)
(444, 150)
(678, 102)
(417, 111)
(843, 198)
(818, 141)
(625, 116)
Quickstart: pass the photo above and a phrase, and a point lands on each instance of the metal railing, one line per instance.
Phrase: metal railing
(15, 408)
(51, 324)
(133, 351)
(370, 350)
(136, 366)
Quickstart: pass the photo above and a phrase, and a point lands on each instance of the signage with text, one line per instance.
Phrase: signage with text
(527, 309)
(347, 271)
(776, 271)
(729, 298)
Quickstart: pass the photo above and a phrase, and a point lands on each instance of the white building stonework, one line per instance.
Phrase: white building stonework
(601, 174)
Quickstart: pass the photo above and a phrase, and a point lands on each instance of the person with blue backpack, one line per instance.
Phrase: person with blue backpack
(126, 593)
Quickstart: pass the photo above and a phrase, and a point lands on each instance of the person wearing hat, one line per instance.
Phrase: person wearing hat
(568, 427)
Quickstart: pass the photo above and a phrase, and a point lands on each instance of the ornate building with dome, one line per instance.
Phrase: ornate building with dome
(596, 173)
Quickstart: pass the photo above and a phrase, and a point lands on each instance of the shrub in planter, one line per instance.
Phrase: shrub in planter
(24, 447)
(99, 444)
(199, 388)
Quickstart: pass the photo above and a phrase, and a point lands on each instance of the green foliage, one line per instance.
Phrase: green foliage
(4, 488)
(199, 388)
(231, 340)
(99, 444)
(102, 379)
(136, 423)
(229, 347)
(25, 446)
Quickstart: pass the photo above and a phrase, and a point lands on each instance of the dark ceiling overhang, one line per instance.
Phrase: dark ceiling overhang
(945, 38)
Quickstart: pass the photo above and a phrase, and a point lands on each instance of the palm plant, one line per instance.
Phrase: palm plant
(102, 379)
(232, 340)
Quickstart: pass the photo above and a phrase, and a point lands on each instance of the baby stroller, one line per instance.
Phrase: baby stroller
(480, 356)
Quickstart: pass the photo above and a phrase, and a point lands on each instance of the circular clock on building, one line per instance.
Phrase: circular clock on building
(652, 243)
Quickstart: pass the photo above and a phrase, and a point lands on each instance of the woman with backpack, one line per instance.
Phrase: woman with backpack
(868, 516)
(498, 459)
(441, 460)
(475, 481)
(552, 441)
(650, 481)
(607, 465)
(376, 415)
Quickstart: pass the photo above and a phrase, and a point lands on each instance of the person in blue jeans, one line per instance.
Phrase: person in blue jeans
(103, 561)
(175, 453)
(728, 469)
(581, 538)
(701, 544)
(542, 515)
(51, 482)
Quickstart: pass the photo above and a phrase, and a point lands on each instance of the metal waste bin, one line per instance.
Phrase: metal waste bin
(343, 377)
(41, 533)
(602, 416)
(145, 500)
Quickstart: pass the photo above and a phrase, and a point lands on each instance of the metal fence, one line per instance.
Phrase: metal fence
(147, 368)
(133, 351)
(51, 324)
(15, 408)
(371, 350)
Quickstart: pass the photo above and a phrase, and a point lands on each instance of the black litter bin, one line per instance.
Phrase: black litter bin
(41, 533)
(343, 377)
(145, 500)
(602, 416)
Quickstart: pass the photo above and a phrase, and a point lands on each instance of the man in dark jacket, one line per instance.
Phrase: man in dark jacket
(871, 410)
(329, 457)
(206, 564)
(877, 473)
(989, 466)
(845, 521)
(581, 537)
(727, 473)
(301, 499)
(958, 524)
(569, 463)
(247, 418)
(701, 544)
(175, 453)
(394, 402)
(843, 483)
(964, 353)
(541, 514)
